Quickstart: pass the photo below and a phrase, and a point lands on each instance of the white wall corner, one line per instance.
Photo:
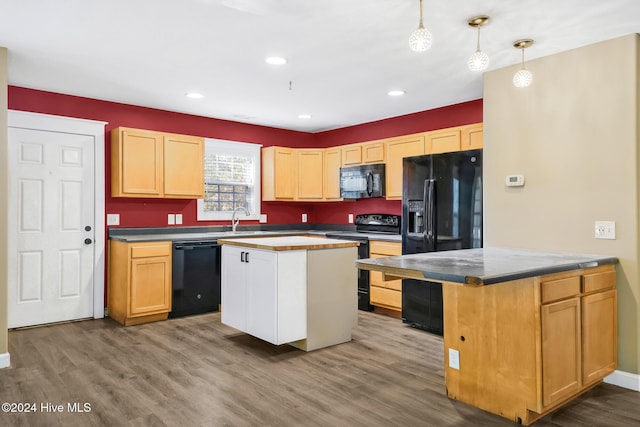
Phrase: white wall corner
(624, 380)
(5, 360)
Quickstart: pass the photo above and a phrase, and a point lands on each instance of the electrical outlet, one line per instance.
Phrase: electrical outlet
(605, 230)
(113, 219)
(171, 219)
(350, 218)
(263, 218)
(454, 359)
(304, 217)
(178, 218)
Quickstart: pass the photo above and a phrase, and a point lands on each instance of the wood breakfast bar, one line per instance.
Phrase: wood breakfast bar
(525, 332)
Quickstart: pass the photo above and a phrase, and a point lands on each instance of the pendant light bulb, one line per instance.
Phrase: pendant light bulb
(420, 40)
(523, 77)
(478, 61)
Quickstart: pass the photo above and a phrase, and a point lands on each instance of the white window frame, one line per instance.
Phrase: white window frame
(241, 149)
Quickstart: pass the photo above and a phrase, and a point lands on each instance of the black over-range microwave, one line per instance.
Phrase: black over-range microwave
(362, 182)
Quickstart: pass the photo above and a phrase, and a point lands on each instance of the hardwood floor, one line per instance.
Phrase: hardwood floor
(194, 371)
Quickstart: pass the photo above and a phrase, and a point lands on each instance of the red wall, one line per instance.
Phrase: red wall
(153, 213)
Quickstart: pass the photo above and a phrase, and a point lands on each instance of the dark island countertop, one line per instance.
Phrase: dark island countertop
(482, 266)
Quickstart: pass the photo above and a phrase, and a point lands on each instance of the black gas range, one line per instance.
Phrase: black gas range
(368, 226)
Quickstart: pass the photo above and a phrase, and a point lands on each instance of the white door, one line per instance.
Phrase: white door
(51, 227)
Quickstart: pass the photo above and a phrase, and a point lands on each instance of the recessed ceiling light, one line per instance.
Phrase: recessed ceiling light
(275, 60)
(194, 95)
(304, 116)
(396, 93)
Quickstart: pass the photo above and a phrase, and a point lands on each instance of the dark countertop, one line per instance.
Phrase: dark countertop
(482, 266)
(186, 234)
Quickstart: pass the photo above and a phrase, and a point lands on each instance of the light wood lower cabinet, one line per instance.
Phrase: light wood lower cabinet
(139, 281)
(386, 294)
(528, 346)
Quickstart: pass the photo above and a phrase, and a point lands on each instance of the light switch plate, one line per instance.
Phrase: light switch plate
(605, 230)
(171, 219)
(350, 217)
(113, 219)
(454, 359)
(178, 218)
(304, 217)
(263, 218)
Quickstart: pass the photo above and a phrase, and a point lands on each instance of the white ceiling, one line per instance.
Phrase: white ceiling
(344, 55)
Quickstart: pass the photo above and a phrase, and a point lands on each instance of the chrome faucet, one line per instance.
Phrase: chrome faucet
(234, 221)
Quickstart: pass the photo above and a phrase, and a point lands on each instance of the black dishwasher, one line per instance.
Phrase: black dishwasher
(195, 278)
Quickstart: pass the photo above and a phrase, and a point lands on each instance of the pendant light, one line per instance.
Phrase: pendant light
(478, 61)
(523, 77)
(420, 39)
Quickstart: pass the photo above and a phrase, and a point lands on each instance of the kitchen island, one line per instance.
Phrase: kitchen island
(292, 289)
(524, 332)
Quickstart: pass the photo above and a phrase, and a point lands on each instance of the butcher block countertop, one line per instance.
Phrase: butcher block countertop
(482, 266)
(288, 243)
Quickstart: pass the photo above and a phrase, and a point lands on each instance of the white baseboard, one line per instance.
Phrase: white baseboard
(4, 360)
(624, 379)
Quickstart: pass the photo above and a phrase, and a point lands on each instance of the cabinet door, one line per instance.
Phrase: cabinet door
(262, 304)
(183, 167)
(443, 141)
(352, 155)
(278, 173)
(471, 138)
(373, 152)
(599, 335)
(331, 176)
(233, 292)
(310, 172)
(136, 163)
(397, 149)
(561, 348)
(150, 285)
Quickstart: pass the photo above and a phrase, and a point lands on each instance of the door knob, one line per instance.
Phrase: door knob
(87, 241)
(87, 228)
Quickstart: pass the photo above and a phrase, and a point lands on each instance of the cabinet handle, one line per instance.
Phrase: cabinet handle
(242, 256)
(246, 257)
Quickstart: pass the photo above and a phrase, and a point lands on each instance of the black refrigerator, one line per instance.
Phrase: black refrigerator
(441, 211)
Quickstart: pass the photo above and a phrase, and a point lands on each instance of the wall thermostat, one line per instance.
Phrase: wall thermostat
(514, 180)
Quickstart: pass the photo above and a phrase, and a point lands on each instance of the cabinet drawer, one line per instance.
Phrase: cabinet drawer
(598, 281)
(151, 250)
(376, 279)
(385, 248)
(560, 289)
(386, 297)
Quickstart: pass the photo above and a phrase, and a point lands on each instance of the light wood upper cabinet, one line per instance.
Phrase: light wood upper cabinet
(278, 173)
(183, 166)
(139, 281)
(136, 163)
(331, 176)
(310, 172)
(373, 152)
(471, 138)
(156, 165)
(397, 149)
(351, 154)
(442, 141)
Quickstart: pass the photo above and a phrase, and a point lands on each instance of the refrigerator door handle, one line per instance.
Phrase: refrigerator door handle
(430, 215)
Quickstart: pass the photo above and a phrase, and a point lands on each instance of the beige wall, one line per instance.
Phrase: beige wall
(574, 135)
(4, 189)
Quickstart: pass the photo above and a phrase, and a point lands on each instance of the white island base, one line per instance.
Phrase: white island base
(296, 290)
